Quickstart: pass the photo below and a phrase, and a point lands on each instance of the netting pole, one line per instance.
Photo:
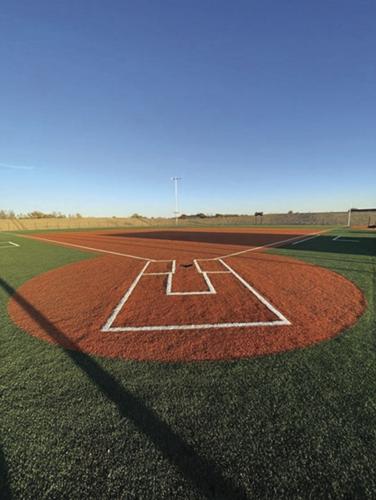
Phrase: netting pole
(175, 180)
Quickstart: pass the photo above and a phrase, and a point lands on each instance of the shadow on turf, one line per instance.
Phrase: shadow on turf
(335, 263)
(363, 246)
(203, 474)
(214, 237)
(4, 485)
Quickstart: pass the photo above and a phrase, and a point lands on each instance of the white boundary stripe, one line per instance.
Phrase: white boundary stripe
(8, 244)
(203, 326)
(210, 290)
(234, 254)
(258, 295)
(306, 239)
(63, 243)
(340, 239)
(124, 299)
(282, 320)
(269, 245)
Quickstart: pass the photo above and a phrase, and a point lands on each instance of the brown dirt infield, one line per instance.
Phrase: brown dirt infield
(181, 244)
(70, 305)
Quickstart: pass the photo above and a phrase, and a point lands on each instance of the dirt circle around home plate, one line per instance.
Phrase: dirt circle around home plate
(81, 307)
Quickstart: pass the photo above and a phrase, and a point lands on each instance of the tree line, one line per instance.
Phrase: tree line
(36, 214)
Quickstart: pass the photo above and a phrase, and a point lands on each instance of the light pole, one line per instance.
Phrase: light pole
(175, 181)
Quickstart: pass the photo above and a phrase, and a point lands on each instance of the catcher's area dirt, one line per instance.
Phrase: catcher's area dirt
(69, 306)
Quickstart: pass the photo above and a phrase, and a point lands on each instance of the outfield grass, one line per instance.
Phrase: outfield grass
(299, 424)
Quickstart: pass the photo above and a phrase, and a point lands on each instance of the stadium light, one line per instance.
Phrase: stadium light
(175, 180)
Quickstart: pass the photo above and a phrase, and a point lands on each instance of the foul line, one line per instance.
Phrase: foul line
(147, 259)
(63, 243)
(10, 244)
(340, 239)
(275, 244)
(306, 239)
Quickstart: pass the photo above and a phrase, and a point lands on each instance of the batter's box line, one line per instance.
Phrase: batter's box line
(210, 290)
(281, 321)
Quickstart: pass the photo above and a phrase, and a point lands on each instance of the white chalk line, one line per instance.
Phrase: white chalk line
(340, 239)
(269, 245)
(149, 259)
(124, 299)
(9, 244)
(258, 295)
(282, 320)
(63, 243)
(211, 290)
(306, 239)
(203, 326)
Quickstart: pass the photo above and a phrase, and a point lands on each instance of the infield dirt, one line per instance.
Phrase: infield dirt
(70, 305)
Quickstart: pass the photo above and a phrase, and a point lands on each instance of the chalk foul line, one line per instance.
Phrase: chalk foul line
(149, 259)
(275, 244)
(341, 239)
(8, 244)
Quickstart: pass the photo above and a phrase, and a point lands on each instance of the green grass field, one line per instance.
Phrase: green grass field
(300, 424)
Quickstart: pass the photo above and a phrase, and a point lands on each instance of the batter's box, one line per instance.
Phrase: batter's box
(228, 301)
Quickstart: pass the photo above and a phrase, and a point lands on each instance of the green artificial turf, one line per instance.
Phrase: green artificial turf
(295, 425)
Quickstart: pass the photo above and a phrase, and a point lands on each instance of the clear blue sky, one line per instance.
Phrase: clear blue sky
(258, 105)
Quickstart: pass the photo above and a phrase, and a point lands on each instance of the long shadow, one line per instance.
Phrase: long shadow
(199, 471)
(214, 237)
(363, 246)
(320, 260)
(5, 492)
(366, 232)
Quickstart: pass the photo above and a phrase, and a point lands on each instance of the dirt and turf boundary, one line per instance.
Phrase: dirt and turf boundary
(80, 298)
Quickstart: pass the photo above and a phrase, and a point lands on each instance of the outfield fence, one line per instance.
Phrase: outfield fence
(310, 218)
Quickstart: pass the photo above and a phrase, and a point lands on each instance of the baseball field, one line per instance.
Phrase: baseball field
(216, 362)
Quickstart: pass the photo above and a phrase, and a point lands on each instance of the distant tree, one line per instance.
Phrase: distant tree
(7, 214)
(35, 214)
